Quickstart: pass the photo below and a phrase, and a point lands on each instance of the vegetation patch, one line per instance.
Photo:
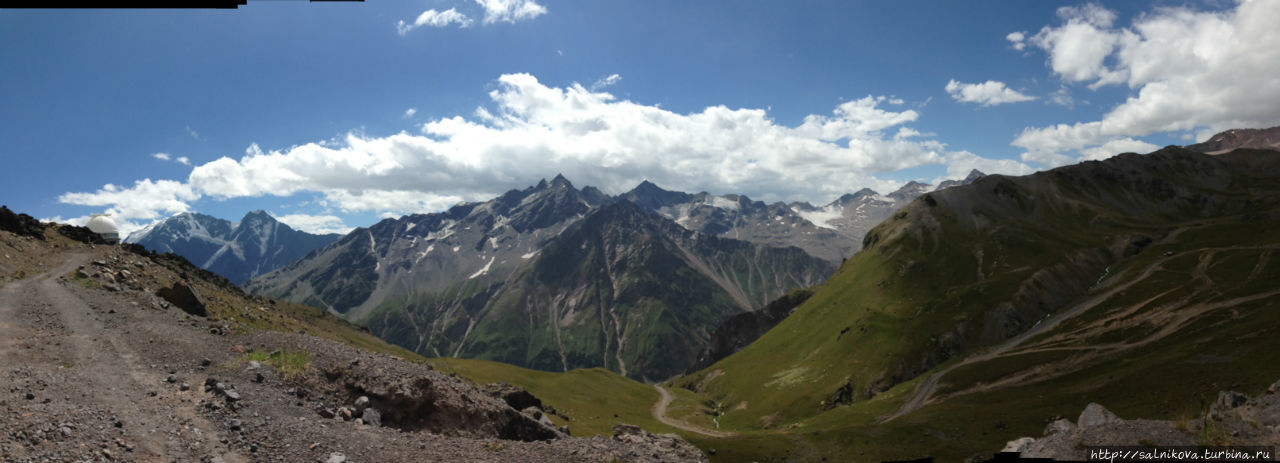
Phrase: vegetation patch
(290, 364)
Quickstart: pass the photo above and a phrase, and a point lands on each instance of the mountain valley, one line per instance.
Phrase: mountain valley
(591, 281)
(976, 314)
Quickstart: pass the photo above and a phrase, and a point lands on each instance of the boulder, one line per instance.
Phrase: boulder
(663, 447)
(515, 396)
(535, 413)
(325, 412)
(1231, 399)
(362, 403)
(21, 224)
(371, 417)
(1060, 426)
(1018, 445)
(185, 298)
(1095, 415)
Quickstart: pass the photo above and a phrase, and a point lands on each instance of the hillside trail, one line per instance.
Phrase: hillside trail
(44, 323)
(660, 413)
(926, 388)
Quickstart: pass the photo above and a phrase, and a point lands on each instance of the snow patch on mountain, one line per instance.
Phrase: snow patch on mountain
(724, 203)
(484, 269)
(821, 217)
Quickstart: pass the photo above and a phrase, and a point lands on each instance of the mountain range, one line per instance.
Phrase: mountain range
(976, 313)
(548, 277)
(425, 281)
(238, 251)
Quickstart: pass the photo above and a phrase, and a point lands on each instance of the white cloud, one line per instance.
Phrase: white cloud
(606, 81)
(532, 130)
(1078, 47)
(1114, 147)
(1062, 97)
(1017, 40)
(194, 134)
(166, 157)
(147, 200)
(318, 224)
(1200, 71)
(510, 11)
(433, 18)
(396, 202)
(410, 112)
(959, 164)
(989, 93)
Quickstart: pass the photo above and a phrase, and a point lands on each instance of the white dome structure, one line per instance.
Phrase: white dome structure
(105, 228)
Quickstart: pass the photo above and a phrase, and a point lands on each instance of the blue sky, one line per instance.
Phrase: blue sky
(332, 115)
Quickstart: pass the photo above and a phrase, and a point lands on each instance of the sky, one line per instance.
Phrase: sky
(335, 115)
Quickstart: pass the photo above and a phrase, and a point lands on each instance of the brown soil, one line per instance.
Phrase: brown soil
(93, 374)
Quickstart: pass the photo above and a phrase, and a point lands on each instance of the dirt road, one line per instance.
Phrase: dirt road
(67, 367)
(924, 390)
(660, 413)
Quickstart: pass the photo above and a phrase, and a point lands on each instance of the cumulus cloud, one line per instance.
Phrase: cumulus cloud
(146, 200)
(318, 224)
(183, 160)
(510, 11)
(1017, 40)
(989, 93)
(959, 164)
(433, 18)
(1117, 146)
(1189, 70)
(161, 156)
(531, 130)
(410, 112)
(1078, 47)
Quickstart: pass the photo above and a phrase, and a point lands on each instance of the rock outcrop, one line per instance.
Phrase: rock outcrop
(185, 298)
(21, 224)
(1234, 419)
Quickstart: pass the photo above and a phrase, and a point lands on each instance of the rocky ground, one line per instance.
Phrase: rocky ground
(98, 367)
(1235, 419)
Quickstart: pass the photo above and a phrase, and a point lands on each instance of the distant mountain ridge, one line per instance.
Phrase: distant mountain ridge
(257, 244)
(1226, 141)
(547, 277)
(832, 232)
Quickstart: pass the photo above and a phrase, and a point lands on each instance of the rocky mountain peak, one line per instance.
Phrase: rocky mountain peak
(1225, 141)
(860, 194)
(651, 196)
(256, 217)
(973, 176)
(910, 190)
(560, 181)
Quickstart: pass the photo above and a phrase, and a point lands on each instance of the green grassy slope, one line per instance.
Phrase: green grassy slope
(958, 272)
(595, 400)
